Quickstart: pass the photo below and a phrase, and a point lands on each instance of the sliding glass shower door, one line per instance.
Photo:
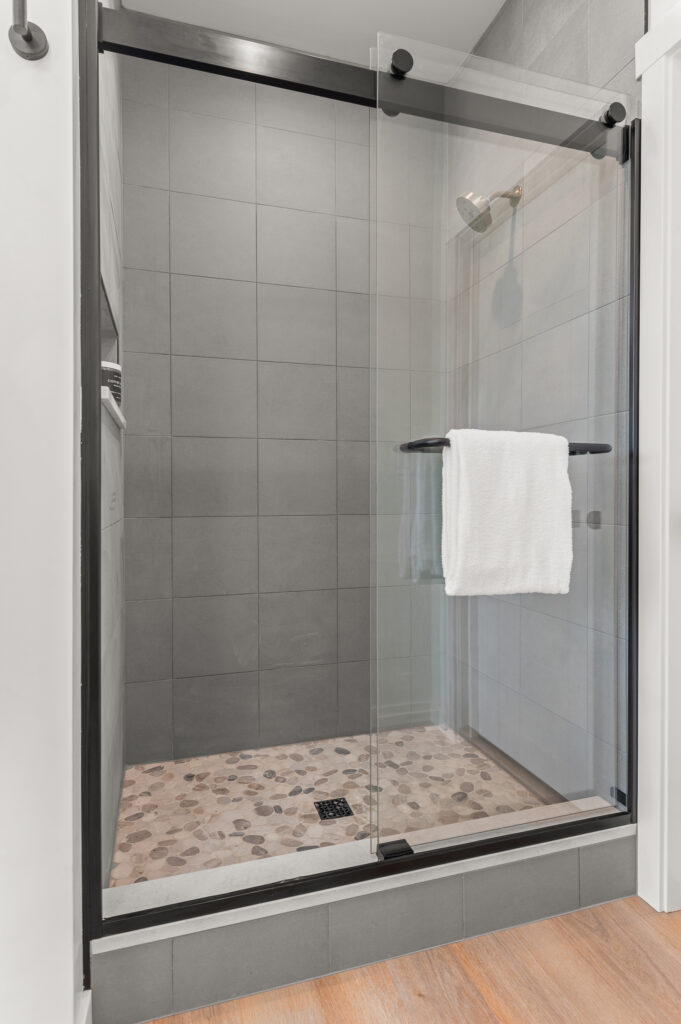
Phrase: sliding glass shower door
(502, 280)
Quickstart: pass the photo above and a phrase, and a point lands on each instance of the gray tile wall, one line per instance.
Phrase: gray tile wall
(538, 338)
(177, 974)
(247, 395)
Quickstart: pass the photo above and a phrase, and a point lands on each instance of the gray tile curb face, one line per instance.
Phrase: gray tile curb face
(607, 871)
(218, 963)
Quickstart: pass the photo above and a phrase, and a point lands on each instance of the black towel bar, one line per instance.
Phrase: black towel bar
(436, 444)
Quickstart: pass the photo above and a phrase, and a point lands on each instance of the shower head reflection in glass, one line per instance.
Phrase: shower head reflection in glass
(477, 210)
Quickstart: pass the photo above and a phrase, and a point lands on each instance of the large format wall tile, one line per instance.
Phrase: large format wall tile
(145, 144)
(215, 555)
(295, 170)
(352, 255)
(352, 123)
(201, 93)
(214, 397)
(353, 403)
(296, 325)
(353, 324)
(213, 714)
(146, 312)
(352, 180)
(212, 237)
(215, 635)
(146, 402)
(354, 698)
(608, 358)
(214, 476)
(149, 721)
(353, 551)
(144, 80)
(353, 477)
(554, 665)
(148, 567)
(148, 640)
(296, 400)
(298, 628)
(296, 248)
(555, 374)
(298, 704)
(295, 111)
(608, 680)
(296, 477)
(297, 553)
(353, 624)
(145, 228)
(210, 156)
(147, 476)
(212, 317)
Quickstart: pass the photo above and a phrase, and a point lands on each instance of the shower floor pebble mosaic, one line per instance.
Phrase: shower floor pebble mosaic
(219, 809)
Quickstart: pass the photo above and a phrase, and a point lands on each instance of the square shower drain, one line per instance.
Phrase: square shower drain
(339, 808)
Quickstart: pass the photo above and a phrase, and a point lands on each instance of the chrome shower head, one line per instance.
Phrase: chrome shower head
(476, 210)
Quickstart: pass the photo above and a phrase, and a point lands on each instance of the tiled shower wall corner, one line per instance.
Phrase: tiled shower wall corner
(246, 314)
(539, 321)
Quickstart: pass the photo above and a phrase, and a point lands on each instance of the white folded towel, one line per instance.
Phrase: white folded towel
(506, 513)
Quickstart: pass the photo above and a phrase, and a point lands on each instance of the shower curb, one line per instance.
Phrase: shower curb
(139, 976)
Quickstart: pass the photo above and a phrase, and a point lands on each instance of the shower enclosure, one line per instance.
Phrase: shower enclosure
(315, 271)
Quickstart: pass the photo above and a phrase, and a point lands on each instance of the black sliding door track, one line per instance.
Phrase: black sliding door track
(192, 46)
(158, 39)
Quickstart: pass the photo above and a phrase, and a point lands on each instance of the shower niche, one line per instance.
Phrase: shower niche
(312, 280)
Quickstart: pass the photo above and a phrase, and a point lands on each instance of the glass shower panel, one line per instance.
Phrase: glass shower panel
(497, 713)
(236, 701)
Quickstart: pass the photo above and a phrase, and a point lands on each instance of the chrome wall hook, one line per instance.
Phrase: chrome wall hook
(27, 39)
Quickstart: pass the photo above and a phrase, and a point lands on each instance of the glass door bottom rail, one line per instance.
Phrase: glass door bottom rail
(220, 809)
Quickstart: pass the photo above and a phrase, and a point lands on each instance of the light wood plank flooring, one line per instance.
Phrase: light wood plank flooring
(619, 963)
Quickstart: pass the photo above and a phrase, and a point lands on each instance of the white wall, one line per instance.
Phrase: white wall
(658, 63)
(40, 966)
(657, 8)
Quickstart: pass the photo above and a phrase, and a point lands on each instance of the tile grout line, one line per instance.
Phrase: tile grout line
(170, 398)
(257, 412)
(337, 471)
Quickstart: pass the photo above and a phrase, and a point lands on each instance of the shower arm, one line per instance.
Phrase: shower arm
(28, 39)
(514, 194)
(20, 22)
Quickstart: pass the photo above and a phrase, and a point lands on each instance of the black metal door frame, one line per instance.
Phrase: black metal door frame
(90, 478)
(171, 42)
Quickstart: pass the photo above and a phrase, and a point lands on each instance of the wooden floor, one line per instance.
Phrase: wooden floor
(619, 963)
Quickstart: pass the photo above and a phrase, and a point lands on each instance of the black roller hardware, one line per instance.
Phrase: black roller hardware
(401, 64)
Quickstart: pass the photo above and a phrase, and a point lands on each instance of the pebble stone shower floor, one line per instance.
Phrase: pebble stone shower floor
(218, 809)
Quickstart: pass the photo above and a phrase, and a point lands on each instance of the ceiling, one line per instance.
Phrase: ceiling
(342, 29)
